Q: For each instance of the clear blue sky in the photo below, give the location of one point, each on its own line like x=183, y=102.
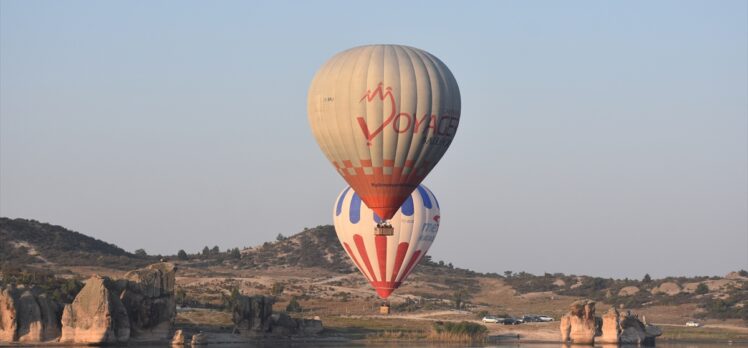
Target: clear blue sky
x=597, y=137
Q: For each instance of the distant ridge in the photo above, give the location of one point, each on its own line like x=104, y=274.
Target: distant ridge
x=24, y=242
x=313, y=247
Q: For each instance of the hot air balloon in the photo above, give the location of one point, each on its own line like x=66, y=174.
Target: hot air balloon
x=384, y=115
x=386, y=261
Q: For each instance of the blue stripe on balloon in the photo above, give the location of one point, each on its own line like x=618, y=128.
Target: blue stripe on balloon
x=377, y=219
x=407, y=207
x=424, y=196
x=355, y=212
x=435, y=200
x=339, y=209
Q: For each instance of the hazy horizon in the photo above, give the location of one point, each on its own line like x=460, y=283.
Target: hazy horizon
x=598, y=138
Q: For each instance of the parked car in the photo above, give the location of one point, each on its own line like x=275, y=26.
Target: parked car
x=531, y=318
x=512, y=321
x=545, y=318
x=491, y=319
x=693, y=323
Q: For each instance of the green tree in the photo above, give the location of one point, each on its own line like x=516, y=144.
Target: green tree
x=280, y=237
x=206, y=251
x=293, y=305
x=236, y=254
x=647, y=279
x=702, y=289
x=141, y=253
x=182, y=255
x=215, y=250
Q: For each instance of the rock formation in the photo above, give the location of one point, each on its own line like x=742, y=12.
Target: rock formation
x=178, y=339
x=199, y=339
x=635, y=331
x=611, y=330
x=253, y=317
x=667, y=288
x=150, y=301
x=8, y=323
x=141, y=307
x=628, y=291
x=29, y=318
x=579, y=324
x=26, y=315
x=96, y=315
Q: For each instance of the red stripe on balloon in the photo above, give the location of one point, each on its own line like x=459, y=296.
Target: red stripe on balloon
x=355, y=260
x=411, y=264
x=364, y=256
x=402, y=248
x=381, y=244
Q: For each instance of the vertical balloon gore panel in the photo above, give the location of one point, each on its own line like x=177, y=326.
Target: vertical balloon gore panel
x=386, y=261
x=384, y=115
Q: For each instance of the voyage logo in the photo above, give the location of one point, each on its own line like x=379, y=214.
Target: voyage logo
x=444, y=125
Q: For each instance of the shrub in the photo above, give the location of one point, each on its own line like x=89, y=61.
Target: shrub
x=293, y=305
x=702, y=289
x=182, y=255
x=463, y=331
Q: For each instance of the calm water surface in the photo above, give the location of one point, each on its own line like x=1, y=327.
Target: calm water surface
x=434, y=345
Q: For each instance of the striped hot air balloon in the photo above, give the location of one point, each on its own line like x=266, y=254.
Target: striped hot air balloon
x=387, y=261
x=384, y=115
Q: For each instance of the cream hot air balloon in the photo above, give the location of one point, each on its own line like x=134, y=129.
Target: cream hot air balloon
x=384, y=115
x=387, y=261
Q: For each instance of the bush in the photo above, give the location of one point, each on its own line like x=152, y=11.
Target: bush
x=702, y=289
x=293, y=305
x=463, y=331
x=182, y=255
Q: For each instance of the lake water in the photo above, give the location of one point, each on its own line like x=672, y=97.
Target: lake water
x=441, y=345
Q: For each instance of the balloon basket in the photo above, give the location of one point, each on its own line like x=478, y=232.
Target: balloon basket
x=384, y=309
x=384, y=229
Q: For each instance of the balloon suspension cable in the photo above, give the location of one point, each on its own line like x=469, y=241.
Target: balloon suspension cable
x=384, y=229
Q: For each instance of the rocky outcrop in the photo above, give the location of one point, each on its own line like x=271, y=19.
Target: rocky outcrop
x=150, y=301
x=96, y=316
x=199, y=339
x=628, y=291
x=667, y=288
x=251, y=315
x=635, y=331
x=309, y=327
x=579, y=325
x=51, y=312
x=29, y=318
x=139, y=308
x=611, y=330
x=8, y=322
x=27, y=315
x=178, y=339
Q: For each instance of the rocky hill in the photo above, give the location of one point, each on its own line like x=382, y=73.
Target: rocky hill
x=313, y=247
x=30, y=242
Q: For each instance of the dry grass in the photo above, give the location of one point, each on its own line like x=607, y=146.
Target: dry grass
x=682, y=333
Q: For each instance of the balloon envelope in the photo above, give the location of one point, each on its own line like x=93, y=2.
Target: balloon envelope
x=386, y=260
x=384, y=115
